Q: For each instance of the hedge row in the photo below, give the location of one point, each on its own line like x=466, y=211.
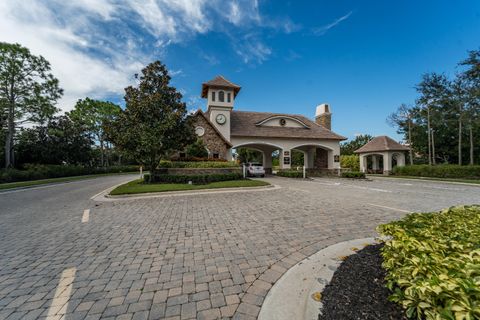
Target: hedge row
x=439, y=171
x=38, y=172
x=195, y=179
x=433, y=263
x=197, y=164
x=290, y=174
x=353, y=175
x=350, y=161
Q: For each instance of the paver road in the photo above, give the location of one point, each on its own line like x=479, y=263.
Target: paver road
x=203, y=256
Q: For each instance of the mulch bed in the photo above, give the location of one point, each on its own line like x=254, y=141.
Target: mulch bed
x=357, y=290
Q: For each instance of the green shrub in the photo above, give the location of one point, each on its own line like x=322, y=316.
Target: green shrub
x=353, y=175
x=196, y=179
x=350, y=161
x=433, y=263
x=37, y=172
x=290, y=173
x=439, y=171
x=197, y=164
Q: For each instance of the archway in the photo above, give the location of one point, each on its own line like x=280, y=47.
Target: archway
x=266, y=149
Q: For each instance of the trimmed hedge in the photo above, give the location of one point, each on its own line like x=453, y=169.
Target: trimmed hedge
x=197, y=164
x=38, y=172
x=439, y=171
x=195, y=179
x=353, y=174
x=290, y=174
x=433, y=263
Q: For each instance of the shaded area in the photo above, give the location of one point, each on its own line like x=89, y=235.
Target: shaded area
x=357, y=290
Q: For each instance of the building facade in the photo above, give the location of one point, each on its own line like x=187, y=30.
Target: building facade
x=224, y=129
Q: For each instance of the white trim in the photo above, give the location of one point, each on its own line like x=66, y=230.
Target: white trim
x=312, y=145
x=245, y=144
x=282, y=117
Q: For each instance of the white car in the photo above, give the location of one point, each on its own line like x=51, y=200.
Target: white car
x=255, y=169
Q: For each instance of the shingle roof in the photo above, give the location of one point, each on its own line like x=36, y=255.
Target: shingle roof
x=220, y=82
x=246, y=124
x=381, y=143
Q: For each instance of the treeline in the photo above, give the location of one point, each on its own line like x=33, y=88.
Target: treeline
x=32, y=132
x=443, y=124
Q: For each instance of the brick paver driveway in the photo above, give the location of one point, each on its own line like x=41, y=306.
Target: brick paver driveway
x=202, y=256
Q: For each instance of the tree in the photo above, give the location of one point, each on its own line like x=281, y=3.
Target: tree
x=197, y=149
x=93, y=114
x=402, y=118
x=154, y=123
x=245, y=155
x=347, y=148
x=60, y=141
x=28, y=92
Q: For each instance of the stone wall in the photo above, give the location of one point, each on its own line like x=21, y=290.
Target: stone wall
x=211, y=138
x=321, y=159
x=325, y=120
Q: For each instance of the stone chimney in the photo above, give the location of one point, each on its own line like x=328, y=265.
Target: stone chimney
x=323, y=116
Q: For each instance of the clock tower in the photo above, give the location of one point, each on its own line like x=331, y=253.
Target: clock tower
x=220, y=94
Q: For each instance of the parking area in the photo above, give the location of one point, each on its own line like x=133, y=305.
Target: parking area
x=203, y=256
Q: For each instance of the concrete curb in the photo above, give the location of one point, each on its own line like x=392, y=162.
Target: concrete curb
x=104, y=195
x=291, y=296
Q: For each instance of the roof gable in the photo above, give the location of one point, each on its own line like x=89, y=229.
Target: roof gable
x=199, y=113
x=381, y=143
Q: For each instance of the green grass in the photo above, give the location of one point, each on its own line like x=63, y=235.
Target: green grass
x=472, y=181
x=137, y=186
x=33, y=183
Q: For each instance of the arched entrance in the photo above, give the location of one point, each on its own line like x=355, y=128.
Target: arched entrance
x=266, y=150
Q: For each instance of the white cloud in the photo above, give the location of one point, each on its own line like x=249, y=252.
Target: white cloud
x=95, y=46
x=322, y=30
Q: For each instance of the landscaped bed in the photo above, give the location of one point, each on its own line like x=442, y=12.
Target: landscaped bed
x=138, y=186
x=430, y=265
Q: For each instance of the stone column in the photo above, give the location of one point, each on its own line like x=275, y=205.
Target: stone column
x=387, y=162
x=374, y=163
x=285, y=153
x=267, y=161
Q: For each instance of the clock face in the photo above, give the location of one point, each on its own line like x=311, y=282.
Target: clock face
x=200, y=131
x=221, y=119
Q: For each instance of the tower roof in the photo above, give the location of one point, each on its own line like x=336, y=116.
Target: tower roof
x=381, y=143
x=219, y=82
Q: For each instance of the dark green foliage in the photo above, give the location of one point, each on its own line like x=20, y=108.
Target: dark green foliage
x=297, y=158
x=439, y=171
x=353, y=175
x=245, y=155
x=154, y=124
x=195, y=179
x=38, y=171
x=196, y=150
x=347, y=148
x=290, y=174
x=28, y=92
x=197, y=164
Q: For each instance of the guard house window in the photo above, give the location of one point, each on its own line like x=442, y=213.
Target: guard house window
x=213, y=95
x=221, y=96
x=229, y=97
x=215, y=155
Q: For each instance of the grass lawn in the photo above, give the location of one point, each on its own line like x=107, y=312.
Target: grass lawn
x=138, y=186
x=472, y=181
x=33, y=183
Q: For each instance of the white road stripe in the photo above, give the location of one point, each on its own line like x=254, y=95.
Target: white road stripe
x=58, y=307
x=385, y=207
x=86, y=215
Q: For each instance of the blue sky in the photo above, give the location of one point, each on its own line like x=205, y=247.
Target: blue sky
x=362, y=57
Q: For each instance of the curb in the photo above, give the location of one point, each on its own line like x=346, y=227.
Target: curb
x=427, y=180
x=291, y=296
x=104, y=195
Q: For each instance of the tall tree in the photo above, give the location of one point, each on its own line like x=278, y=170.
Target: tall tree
x=154, y=123
x=401, y=118
x=471, y=75
x=433, y=91
x=28, y=91
x=93, y=114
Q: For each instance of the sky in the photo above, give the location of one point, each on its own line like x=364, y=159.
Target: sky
x=362, y=57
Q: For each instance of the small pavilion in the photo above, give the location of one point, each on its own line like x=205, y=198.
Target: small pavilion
x=384, y=152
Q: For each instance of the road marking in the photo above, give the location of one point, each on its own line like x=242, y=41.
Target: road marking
x=58, y=307
x=385, y=207
x=86, y=215
x=367, y=188
x=298, y=189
